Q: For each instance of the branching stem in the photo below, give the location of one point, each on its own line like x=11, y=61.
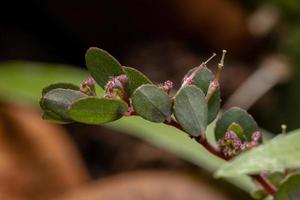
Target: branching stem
x=215, y=151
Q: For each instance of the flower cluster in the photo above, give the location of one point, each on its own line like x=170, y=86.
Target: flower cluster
x=115, y=87
x=88, y=87
x=167, y=86
x=231, y=145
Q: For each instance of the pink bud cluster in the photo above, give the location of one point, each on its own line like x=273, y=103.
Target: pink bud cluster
x=89, y=81
x=88, y=87
x=188, y=81
x=114, y=88
x=231, y=145
x=167, y=86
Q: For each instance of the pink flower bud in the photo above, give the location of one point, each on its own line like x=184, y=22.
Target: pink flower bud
x=122, y=78
x=168, y=84
x=88, y=87
x=243, y=146
x=188, y=81
x=256, y=136
x=230, y=135
x=214, y=85
x=237, y=143
x=89, y=81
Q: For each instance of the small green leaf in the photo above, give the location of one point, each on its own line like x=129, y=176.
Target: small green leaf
x=59, y=85
x=202, y=80
x=93, y=110
x=59, y=100
x=237, y=129
x=135, y=79
x=276, y=155
x=55, y=118
x=259, y=194
x=276, y=178
x=290, y=189
x=152, y=103
x=238, y=116
x=102, y=65
x=190, y=110
x=214, y=106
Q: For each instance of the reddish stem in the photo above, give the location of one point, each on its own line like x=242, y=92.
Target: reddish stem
x=173, y=123
x=265, y=184
x=202, y=140
x=215, y=151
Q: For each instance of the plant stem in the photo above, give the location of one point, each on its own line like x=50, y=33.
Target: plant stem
x=203, y=141
x=265, y=184
x=173, y=123
x=215, y=151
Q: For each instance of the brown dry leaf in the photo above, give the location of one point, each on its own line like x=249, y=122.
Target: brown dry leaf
x=148, y=185
x=37, y=159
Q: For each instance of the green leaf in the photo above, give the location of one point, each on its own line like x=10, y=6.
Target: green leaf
x=59, y=101
x=26, y=80
x=55, y=118
x=93, y=110
x=59, y=85
x=290, y=189
x=135, y=79
x=238, y=116
x=102, y=65
x=237, y=129
x=214, y=104
x=202, y=80
x=276, y=178
x=190, y=110
x=260, y=194
x=152, y=103
x=276, y=155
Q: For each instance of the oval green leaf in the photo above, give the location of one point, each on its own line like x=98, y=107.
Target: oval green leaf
x=59, y=100
x=59, y=85
x=213, y=104
x=93, y=110
x=135, y=79
x=238, y=116
x=237, y=129
x=102, y=65
x=290, y=189
x=276, y=155
x=55, y=118
x=202, y=80
x=152, y=103
x=190, y=110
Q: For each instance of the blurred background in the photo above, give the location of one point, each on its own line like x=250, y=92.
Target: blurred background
x=163, y=39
